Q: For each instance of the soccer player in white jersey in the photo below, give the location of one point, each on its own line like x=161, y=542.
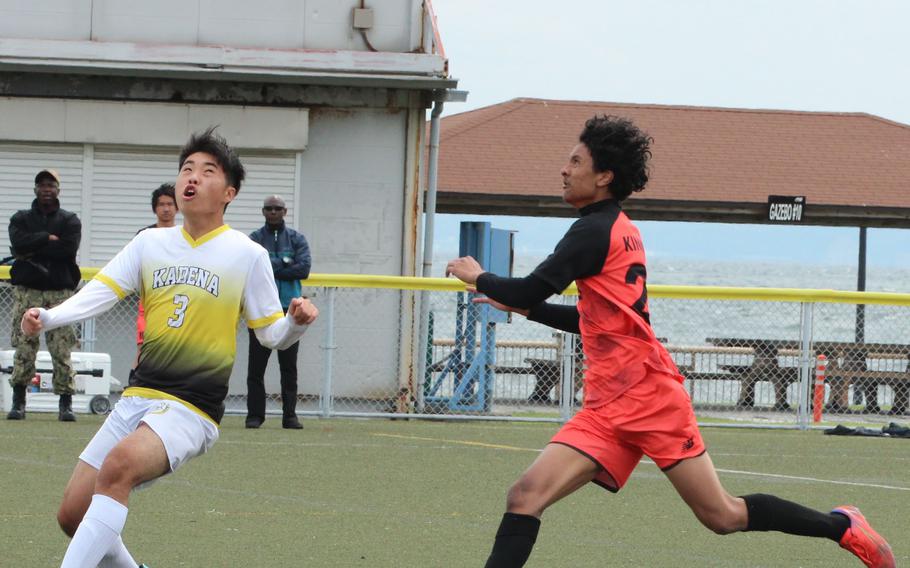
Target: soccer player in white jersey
x=195, y=281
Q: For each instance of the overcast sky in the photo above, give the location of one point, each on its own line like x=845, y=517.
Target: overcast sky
x=809, y=55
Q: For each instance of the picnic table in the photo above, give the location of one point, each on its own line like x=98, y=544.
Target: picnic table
x=847, y=363
x=765, y=366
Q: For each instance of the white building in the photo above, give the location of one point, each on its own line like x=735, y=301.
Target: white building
x=325, y=101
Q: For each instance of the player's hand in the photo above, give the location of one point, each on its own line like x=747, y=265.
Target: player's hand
x=303, y=311
x=465, y=269
x=31, y=324
x=500, y=306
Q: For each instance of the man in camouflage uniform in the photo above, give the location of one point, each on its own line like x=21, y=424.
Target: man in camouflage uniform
x=44, y=241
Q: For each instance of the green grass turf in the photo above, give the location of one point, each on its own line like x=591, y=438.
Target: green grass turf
x=379, y=493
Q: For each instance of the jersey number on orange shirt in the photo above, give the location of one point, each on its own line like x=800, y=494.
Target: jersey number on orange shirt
x=636, y=272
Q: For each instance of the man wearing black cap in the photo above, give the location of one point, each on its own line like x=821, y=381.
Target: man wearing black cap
x=44, y=241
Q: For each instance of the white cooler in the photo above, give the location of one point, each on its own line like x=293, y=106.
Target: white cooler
x=94, y=383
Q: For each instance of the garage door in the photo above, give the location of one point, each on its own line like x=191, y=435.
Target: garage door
x=124, y=178
x=18, y=165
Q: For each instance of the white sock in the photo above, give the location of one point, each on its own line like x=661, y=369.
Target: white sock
x=97, y=533
x=118, y=557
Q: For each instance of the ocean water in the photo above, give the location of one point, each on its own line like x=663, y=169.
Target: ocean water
x=690, y=322
x=700, y=272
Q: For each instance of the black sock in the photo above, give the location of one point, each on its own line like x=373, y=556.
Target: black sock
x=514, y=541
x=770, y=513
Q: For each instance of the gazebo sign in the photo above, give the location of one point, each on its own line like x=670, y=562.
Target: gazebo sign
x=786, y=208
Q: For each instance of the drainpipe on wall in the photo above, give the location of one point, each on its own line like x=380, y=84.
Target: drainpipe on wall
x=439, y=99
x=432, y=177
x=428, y=228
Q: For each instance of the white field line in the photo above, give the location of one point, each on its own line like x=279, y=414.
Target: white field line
x=647, y=461
x=21, y=461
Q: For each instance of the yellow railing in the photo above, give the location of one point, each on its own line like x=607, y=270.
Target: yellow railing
x=654, y=290
x=87, y=273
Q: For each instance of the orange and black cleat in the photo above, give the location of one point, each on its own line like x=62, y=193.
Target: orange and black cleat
x=863, y=541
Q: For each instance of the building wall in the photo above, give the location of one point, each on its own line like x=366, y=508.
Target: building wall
x=345, y=191
x=278, y=24
x=351, y=207
x=107, y=90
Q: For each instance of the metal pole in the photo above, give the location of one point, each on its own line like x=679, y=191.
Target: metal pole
x=88, y=335
x=860, y=336
x=860, y=324
x=428, y=228
x=432, y=180
x=567, y=385
x=806, y=364
x=325, y=400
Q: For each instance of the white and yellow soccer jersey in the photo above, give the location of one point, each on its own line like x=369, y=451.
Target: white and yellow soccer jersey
x=194, y=293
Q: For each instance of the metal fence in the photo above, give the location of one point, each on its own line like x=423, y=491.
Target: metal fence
x=749, y=355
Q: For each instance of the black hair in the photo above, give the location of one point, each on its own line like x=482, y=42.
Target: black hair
x=216, y=146
x=163, y=189
x=617, y=145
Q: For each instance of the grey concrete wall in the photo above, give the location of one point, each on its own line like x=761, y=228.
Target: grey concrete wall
x=351, y=208
x=281, y=24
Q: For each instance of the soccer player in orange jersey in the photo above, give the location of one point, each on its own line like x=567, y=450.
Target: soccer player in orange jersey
x=634, y=400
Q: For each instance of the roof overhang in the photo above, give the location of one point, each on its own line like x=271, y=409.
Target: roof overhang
x=642, y=209
x=421, y=71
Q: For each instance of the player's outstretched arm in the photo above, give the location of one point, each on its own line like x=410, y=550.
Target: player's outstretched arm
x=288, y=330
x=94, y=298
x=557, y=316
x=500, y=306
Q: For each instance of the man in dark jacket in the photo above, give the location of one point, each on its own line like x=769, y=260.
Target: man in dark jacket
x=290, y=256
x=44, y=241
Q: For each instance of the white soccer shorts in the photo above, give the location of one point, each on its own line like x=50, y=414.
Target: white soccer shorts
x=185, y=433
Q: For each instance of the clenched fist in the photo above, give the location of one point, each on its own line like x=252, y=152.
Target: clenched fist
x=303, y=311
x=31, y=325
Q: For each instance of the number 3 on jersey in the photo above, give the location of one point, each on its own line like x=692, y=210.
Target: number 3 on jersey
x=182, y=303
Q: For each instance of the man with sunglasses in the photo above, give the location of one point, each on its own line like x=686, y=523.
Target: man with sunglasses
x=290, y=255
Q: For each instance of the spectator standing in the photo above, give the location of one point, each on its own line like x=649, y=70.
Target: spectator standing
x=44, y=240
x=290, y=255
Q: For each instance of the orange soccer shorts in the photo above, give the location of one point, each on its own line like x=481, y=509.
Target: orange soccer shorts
x=652, y=418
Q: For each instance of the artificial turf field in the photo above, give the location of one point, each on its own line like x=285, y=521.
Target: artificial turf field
x=378, y=493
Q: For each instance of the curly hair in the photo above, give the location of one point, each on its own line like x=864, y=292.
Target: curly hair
x=617, y=145
x=216, y=146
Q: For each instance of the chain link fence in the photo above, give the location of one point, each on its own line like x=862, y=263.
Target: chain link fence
x=746, y=359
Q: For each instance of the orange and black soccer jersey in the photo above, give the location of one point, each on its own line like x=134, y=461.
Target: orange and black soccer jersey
x=634, y=402
x=603, y=253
